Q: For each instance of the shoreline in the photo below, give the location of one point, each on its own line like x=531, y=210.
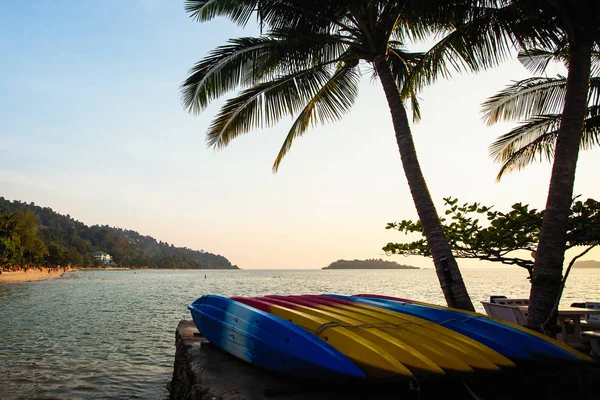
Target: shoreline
x=32, y=275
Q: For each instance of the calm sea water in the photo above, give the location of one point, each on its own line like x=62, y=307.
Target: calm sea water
x=110, y=334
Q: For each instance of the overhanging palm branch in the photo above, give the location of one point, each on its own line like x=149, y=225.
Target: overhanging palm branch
x=238, y=11
x=264, y=104
x=536, y=60
x=330, y=103
x=535, y=140
x=486, y=39
x=526, y=98
x=537, y=101
x=249, y=60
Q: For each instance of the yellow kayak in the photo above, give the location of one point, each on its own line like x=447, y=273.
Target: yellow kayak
x=445, y=359
x=419, y=364
x=461, y=343
x=369, y=357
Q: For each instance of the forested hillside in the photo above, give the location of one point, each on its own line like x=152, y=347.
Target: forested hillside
x=35, y=235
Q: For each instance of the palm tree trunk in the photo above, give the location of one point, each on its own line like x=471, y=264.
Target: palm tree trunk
x=446, y=267
x=548, y=266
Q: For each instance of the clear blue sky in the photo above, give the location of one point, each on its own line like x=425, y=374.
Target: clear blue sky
x=91, y=125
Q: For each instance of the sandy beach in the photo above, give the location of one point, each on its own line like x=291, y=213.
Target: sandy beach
x=31, y=275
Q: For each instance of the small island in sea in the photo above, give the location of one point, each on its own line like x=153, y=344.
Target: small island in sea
x=587, y=264
x=367, y=264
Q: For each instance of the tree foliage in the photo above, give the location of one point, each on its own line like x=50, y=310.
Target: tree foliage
x=478, y=231
x=536, y=104
x=33, y=235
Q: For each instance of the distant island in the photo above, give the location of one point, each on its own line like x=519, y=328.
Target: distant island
x=367, y=264
x=587, y=264
x=38, y=236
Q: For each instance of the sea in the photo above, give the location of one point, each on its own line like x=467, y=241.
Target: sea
x=111, y=334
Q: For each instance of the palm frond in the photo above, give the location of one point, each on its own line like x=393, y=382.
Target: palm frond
x=238, y=11
x=307, y=16
x=486, y=38
x=594, y=92
x=528, y=143
x=525, y=99
x=595, y=69
x=265, y=103
x=591, y=129
x=222, y=70
x=438, y=62
x=246, y=61
x=475, y=46
x=330, y=103
x=401, y=64
x=537, y=60
x=535, y=140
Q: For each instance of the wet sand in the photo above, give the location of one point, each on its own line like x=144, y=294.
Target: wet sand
x=31, y=275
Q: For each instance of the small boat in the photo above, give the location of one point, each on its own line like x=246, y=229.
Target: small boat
x=268, y=341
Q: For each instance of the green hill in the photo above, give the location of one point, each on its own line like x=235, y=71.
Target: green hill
x=367, y=264
x=35, y=235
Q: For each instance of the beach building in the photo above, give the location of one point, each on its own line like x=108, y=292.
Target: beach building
x=102, y=256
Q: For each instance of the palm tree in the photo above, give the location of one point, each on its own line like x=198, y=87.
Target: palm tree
x=307, y=64
x=579, y=23
x=538, y=102
x=575, y=26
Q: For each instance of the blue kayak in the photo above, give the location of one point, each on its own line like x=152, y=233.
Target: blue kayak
x=505, y=339
x=268, y=341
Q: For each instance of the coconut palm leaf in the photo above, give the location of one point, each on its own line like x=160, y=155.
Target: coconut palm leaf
x=595, y=69
x=530, y=142
x=247, y=60
x=526, y=98
x=223, y=70
x=537, y=101
x=401, y=64
x=530, y=97
x=238, y=11
x=537, y=60
x=535, y=141
x=329, y=104
x=264, y=104
x=488, y=39
x=313, y=15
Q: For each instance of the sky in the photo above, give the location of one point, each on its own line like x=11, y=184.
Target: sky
x=92, y=125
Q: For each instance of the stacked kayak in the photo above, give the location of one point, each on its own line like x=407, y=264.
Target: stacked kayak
x=269, y=342
x=510, y=339
x=367, y=337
